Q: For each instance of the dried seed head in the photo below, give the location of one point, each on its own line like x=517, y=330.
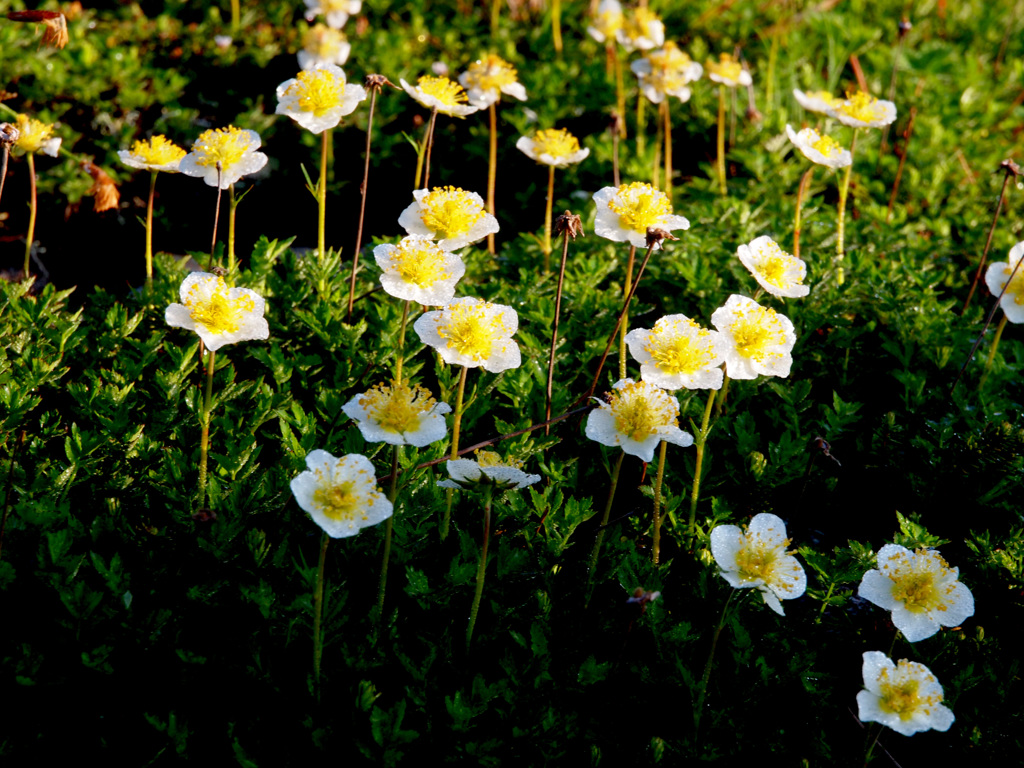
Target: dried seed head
x=103, y=188
x=9, y=134
x=1010, y=167
x=569, y=222
x=905, y=27
x=656, y=236
x=378, y=82
x=56, y=32
x=615, y=123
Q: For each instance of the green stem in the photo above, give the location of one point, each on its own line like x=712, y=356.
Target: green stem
x=641, y=123
x=554, y=327
x=656, y=549
x=430, y=146
x=318, y=611
x=698, y=710
x=392, y=495
x=492, y=169
x=773, y=57
x=620, y=94
x=321, y=201
x=236, y=16
x=604, y=519
x=495, y=16
x=556, y=25
x=624, y=325
x=844, y=191
x=721, y=139
x=867, y=756
x=666, y=110
x=699, y=440
x=362, y=203
x=805, y=181
x=720, y=405
x=481, y=570
x=30, y=236
x=204, y=440
x=456, y=427
x=401, y=342
x=232, y=205
x=992, y=352
x=149, y=229
x=547, y=218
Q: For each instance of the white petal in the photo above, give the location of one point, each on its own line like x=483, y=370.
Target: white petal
x=726, y=543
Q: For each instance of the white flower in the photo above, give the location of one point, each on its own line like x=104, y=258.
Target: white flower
x=317, y=99
x=488, y=78
x=820, y=148
x=757, y=558
x=920, y=589
x=624, y=213
x=398, y=414
x=233, y=148
x=442, y=94
x=727, y=71
x=335, y=11
x=863, y=111
x=341, y=495
x=640, y=31
x=451, y=215
x=779, y=273
x=154, y=154
x=756, y=340
x=678, y=353
x=607, y=22
x=906, y=697
x=636, y=417
x=36, y=136
x=997, y=275
x=220, y=315
x=473, y=333
x=552, y=147
x=815, y=101
x=488, y=469
x=323, y=45
x=666, y=73
x=418, y=269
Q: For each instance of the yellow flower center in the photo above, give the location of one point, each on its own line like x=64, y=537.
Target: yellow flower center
x=638, y=24
x=490, y=73
x=493, y=459
x=470, y=329
x=726, y=67
x=557, y=143
x=340, y=501
x=330, y=6
x=862, y=107
x=1016, y=286
x=420, y=262
x=450, y=211
x=641, y=411
x=33, y=133
x=824, y=96
x=446, y=91
x=609, y=22
x=757, y=560
x=826, y=145
x=677, y=352
x=639, y=206
x=219, y=313
x=755, y=331
x=323, y=42
x=317, y=91
x=668, y=68
x=397, y=408
x=772, y=264
x=221, y=145
x=916, y=580
x=902, y=695
x=157, y=151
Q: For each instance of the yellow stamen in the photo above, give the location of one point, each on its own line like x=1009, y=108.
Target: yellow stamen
x=450, y=211
x=420, y=262
x=861, y=106
x=759, y=560
x=726, y=67
x=902, y=696
x=490, y=73
x=557, y=143
x=756, y=331
x=638, y=24
x=639, y=206
x=221, y=145
x=641, y=411
x=446, y=91
x=773, y=263
x=471, y=329
x=668, y=68
x=318, y=91
x=33, y=133
x=218, y=313
x=1016, y=286
x=323, y=42
x=344, y=501
x=916, y=580
x=826, y=145
x=678, y=351
x=493, y=459
x=157, y=151
x=397, y=408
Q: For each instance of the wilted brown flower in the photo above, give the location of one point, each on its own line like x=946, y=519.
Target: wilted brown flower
x=103, y=188
x=56, y=26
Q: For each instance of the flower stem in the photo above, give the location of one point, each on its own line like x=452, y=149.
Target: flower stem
x=318, y=611
x=1007, y=167
x=627, y=290
x=149, y=229
x=5, y=153
x=721, y=139
x=656, y=549
x=903, y=161
x=374, y=89
x=30, y=236
x=401, y=342
x=547, y=219
x=232, y=205
x=204, y=439
x=615, y=153
x=481, y=570
x=492, y=169
x=321, y=203
x=620, y=94
x=874, y=741
x=667, y=115
x=456, y=427
x=236, y=16
x=430, y=146
x=641, y=123
x=844, y=190
x=801, y=190
x=698, y=710
x=992, y=352
x=699, y=440
x=556, y=25
x=216, y=222
x=604, y=520
x=554, y=326
x=495, y=16
x=392, y=494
